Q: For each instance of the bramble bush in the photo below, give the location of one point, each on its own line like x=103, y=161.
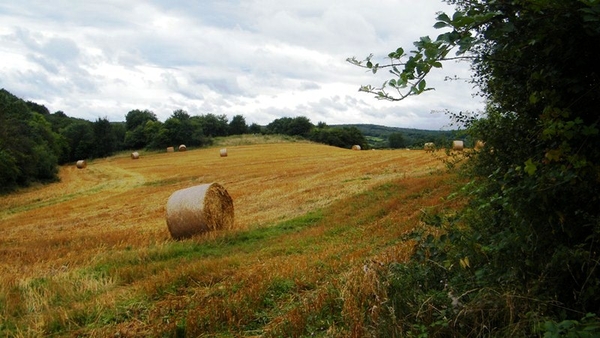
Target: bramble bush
x=524, y=256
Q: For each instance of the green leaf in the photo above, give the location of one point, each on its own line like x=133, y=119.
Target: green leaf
x=422, y=85
x=554, y=155
x=444, y=17
x=589, y=130
x=530, y=167
x=533, y=98
x=440, y=24
x=457, y=16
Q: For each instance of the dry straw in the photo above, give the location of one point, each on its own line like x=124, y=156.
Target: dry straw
x=479, y=145
x=135, y=155
x=429, y=146
x=199, y=209
x=182, y=147
x=458, y=145
x=356, y=147
x=170, y=149
x=81, y=164
x=223, y=152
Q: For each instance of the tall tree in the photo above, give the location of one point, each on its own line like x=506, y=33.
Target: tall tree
x=238, y=125
x=214, y=125
x=80, y=136
x=136, y=118
x=396, y=140
x=104, y=139
x=297, y=126
x=255, y=128
x=135, y=124
x=534, y=222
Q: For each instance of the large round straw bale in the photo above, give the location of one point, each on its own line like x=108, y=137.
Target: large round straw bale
x=135, y=155
x=81, y=164
x=223, y=152
x=199, y=209
x=458, y=145
x=182, y=147
x=429, y=146
x=356, y=147
x=170, y=149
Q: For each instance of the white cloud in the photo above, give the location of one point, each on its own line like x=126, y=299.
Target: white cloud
x=263, y=59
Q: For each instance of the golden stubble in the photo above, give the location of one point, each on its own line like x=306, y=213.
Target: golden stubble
x=118, y=205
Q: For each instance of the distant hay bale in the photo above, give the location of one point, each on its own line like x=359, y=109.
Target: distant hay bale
x=182, y=147
x=223, y=152
x=170, y=149
x=199, y=209
x=135, y=155
x=429, y=146
x=458, y=145
x=356, y=147
x=479, y=145
x=81, y=164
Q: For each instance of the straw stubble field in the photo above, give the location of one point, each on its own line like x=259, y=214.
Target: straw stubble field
x=92, y=255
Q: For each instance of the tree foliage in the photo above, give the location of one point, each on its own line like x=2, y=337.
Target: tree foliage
x=396, y=141
x=343, y=137
x=104, y=140
x=29, y=149
x=297, y=126
x=238, y=125
x=135, y=125
x=533, y=225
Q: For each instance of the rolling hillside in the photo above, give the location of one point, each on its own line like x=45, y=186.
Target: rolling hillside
x=378, y=136
x=91, y=255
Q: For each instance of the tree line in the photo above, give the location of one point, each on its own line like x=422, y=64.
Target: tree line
x=33, y=141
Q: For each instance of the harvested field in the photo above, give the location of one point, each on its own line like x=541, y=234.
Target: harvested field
x=98, y=239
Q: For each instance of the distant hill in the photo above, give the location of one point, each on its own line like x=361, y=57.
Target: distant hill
x=378, y=136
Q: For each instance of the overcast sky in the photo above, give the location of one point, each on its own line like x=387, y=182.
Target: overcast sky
x=263, y=59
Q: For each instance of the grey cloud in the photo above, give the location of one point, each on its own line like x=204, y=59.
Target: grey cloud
x=61, y=49
x=309, y=85
x=260, y=58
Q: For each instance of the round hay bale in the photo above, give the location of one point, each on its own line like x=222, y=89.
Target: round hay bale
x=223, y=152
x=170, y=149
x=479, y=145
x=182, y=147
x=429, y=146
x=135, y=155
x=81, y=164
x=199, y=209
x=458, y=145
x=356, y=147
